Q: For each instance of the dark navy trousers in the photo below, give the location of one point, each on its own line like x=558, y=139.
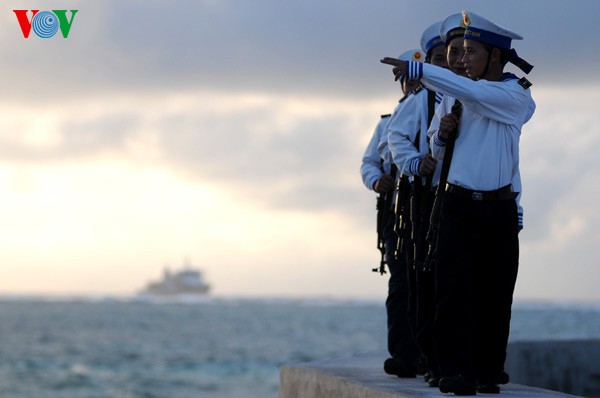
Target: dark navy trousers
x=424, y=289
x=401, y=342
x=476, y=271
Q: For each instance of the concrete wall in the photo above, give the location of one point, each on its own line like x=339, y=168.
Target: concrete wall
x=572, y=367
x=363, y=377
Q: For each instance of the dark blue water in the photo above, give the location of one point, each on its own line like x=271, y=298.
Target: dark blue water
x=217, y=348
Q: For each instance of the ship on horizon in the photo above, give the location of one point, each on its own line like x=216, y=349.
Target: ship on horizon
x=186, y=281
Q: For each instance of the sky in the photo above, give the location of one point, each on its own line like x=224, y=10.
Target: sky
x=229, y=134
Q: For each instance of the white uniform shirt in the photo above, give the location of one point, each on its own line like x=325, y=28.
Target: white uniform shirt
x=402, y=134
x=372, y=167
x=486, y=155
x=445, y=107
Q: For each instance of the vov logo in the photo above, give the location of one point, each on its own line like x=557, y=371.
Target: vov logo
x=45, y=24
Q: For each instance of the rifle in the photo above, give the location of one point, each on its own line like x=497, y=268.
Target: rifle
x=419, y=201
x=418, y=215
x=432, y=233
x=384, y=208
x=402, y=216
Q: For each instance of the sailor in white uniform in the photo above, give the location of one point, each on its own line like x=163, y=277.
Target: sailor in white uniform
x=452, y=30
x=380, y=175
x=407, y=138
x=477, y=247
x=372, y=170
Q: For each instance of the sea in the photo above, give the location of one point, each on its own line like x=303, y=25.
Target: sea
x=213, y=347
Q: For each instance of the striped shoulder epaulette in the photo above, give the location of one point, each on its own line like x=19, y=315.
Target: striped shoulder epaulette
x=525, y=83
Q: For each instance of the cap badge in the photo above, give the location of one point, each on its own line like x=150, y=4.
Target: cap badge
x=466, y=20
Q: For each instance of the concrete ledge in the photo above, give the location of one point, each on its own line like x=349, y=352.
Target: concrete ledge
x=363, y=377
x=571, y=366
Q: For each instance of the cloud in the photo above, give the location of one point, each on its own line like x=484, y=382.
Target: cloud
x=557, y=156
x=286, y=152
x=271, y=105
x=307, y=48
x=275, y=152
x=561, y=263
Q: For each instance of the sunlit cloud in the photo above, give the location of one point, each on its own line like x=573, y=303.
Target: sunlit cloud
x=159, y=178
x=232, y=134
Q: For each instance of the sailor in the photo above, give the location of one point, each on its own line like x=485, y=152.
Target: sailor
x=477, y=247
x=452, y=32
x=379, y=174
x=407, y=138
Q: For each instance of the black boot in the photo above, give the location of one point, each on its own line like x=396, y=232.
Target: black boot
x=502, y=378
x=398, y=368
x=458, y=384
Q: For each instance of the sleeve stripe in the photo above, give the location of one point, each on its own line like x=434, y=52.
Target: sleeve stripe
x=415, y=164
x=438, y=97
x=438, y=141
x=414, y=70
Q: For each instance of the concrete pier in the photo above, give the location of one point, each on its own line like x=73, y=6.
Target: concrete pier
x=363, y=377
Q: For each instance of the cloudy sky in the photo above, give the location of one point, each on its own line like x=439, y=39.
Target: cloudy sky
x=230, y=134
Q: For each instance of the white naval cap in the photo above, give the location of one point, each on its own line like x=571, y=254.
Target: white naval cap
x=452, y=26
x=412, y=55
x=479, y=29
x=431, y=37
